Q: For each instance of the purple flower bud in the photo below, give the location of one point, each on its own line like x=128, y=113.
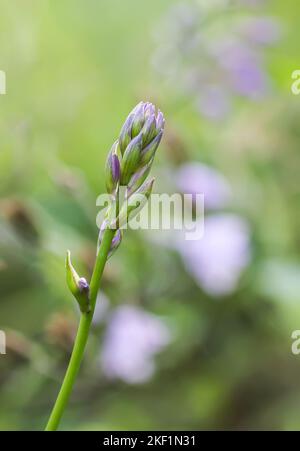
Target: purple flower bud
x=149, y=130
x=160, y=121
x=148, y=152
x=77, y=285
x=138, y=120
x=138, y=179
x=116, y=241
x=149, y=109
x=137, y=107
x=131, y=159
x=112, y=171
x=146, y=188
x=115, y=168
x=82, y=284
x=138, y=141
x=125, y=134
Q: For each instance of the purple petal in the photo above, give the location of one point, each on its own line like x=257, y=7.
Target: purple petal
x=132, y=339
x=115, y=168
x=196, y=178
x=217, y=260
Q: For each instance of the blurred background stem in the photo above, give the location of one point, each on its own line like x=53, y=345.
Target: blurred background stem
x=82, y=335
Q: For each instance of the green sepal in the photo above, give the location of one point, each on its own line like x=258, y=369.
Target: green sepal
x=77, y=285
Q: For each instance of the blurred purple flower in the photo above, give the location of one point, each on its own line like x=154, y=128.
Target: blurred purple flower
x=261, y=30
x=196, y=178
x=132, y=339
x=217, y=260
x=213, y=102
x=244, y=70
x=212, y=67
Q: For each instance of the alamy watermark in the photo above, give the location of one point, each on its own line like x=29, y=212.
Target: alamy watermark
x=295, y=348
x=295, y=88
x=2, y=342
x=158, y=212
x=2, y=82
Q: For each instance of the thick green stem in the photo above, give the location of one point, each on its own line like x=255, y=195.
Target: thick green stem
x=82, y=335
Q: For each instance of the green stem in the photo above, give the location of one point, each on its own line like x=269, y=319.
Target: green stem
x=82, y=335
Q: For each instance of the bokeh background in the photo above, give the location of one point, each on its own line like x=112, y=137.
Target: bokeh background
x=186, y=336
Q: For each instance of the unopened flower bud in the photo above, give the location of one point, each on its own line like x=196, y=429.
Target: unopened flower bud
x=149, y=109
x=160, y=121
x=83, y=285
x=138, y=179
x=77, y=285
x=148, y=152
x=142, y=119
x=149, y=130
x=125, y=134
x=130, y=160
x=146, y=188
x=139, y=119
x=116, y=241
x=133, y=154
x=112, y=170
